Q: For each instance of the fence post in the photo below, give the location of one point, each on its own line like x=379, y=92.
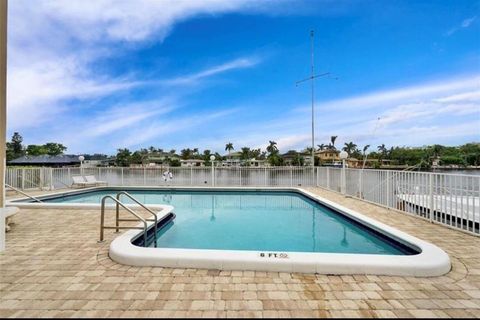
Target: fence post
x=291, y=177
x=388, y=188
x=265, y=181
x=51, y=178
x=328, y=178
x=23, y=178
x=144, y=176
x=432, y=209
x=213, y=175
x=191, y=175
x=41, y=174
x=360, y=185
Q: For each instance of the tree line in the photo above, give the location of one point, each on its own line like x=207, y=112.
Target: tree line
x=464, y=155
x=15, y=148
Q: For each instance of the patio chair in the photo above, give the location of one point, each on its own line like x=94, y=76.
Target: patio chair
x=91, y=179
x=9, y=212
x=79, y=181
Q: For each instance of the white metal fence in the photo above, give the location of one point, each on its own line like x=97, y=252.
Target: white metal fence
x=448, y=199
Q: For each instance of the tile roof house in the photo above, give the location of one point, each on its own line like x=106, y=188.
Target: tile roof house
x=63, y=160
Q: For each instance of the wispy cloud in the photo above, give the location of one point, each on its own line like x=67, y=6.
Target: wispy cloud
x=414, y=115
x=466, y=23
x=417, y=92
x=37, y=91
x=124, y=117
x=157, y=129
x=54, y=46
x=240, y=63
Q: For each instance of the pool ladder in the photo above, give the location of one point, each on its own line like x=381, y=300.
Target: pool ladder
x=137, y=218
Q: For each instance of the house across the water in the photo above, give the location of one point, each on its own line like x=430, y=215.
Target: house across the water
x=64, y=160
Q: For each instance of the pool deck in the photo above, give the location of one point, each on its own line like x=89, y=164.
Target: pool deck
x=54, y=267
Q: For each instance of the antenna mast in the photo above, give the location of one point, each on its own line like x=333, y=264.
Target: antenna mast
x=312, y=74
x=311, y=78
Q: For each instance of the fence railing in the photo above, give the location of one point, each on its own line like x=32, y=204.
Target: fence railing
x=448, y=199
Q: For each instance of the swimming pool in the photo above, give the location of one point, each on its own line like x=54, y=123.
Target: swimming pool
x=267, y=229
x=254, y=220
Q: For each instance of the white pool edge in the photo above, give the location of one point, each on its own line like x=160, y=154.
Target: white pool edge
x=432, y=261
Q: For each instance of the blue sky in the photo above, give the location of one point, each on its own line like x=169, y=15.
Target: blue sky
x=97, y=76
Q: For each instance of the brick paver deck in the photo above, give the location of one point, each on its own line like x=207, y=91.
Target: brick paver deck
x=54, y=267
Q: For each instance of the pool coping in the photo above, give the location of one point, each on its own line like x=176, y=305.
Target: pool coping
x=431, y=261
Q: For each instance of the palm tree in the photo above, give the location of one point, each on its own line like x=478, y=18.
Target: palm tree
x=229, y=147
x=349, y=147
x=186, y=153
x=255, y=153
x=321, y=146
x=272, y=148
x=206, y=155
x=383, y=150
x=332, y=139
x=245, y=153
x=366, y=148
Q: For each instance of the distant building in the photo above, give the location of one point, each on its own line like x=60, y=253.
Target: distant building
x=98, y=161
x=64, y=160
x=436, y=162
x=353, y=163
x=328, y=155
x=256, y=163
x=192, y=163
x=231, y=163
x=94, y=163
x=232, y=160
x=156, y=159
x=290, y=158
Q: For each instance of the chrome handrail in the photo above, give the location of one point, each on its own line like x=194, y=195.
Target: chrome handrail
x=24, y=193
x=102, y=219
x=128, y=195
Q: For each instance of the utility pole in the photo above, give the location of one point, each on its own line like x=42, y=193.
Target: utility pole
x=312, y=78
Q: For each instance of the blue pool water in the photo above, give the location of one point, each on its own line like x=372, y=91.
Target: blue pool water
x=259, y=221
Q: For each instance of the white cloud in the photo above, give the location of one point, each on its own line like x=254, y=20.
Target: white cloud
x=54, y=44
x=416, y=115
x=156, y=129
x=420, y=92
x=240, y=63
x=124, y=117
x=127, y=20
x=466, y=23
x=36, y=91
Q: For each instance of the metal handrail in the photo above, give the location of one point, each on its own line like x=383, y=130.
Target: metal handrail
x=24, y=193
x=154, y=214
x=102, y=219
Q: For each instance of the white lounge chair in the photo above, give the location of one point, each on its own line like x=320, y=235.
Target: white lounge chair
x=9, y=212
x=79, y=181
x=91, y=179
